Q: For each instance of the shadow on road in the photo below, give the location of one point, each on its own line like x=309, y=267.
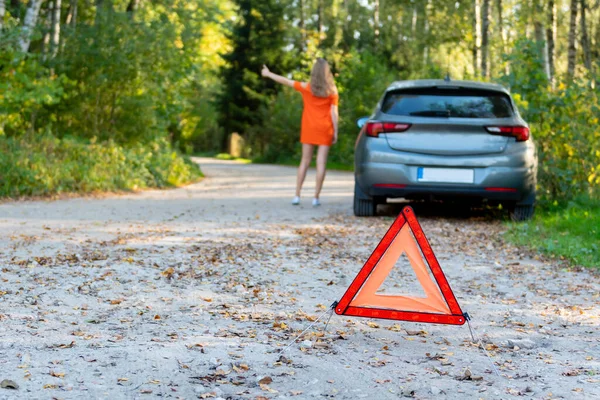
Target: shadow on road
x=446, y=210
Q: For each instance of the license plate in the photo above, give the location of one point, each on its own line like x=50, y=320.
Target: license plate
x=446, y=175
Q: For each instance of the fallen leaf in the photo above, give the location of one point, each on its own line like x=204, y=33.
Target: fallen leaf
x=416, y=333
x=8, y=384
x=267, y=388
x=265, y=381
x=168, y=273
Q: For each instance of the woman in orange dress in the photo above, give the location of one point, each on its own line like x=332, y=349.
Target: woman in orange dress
x=319, y=121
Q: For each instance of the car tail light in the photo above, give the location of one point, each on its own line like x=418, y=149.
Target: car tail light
x=375, y=128
x=521, y=133
x=501, y=189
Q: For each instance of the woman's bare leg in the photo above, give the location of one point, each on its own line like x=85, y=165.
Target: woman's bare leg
x=307, y=154
x=322, y=153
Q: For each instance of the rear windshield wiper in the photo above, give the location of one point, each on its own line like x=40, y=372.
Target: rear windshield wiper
x=432, y=113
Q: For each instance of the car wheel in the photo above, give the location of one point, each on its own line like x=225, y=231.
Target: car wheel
x=521, y=212
x=364, y=206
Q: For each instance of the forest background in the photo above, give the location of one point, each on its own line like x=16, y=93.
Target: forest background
x=113, y=94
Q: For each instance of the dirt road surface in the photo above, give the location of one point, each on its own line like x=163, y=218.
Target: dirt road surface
x=193, y=293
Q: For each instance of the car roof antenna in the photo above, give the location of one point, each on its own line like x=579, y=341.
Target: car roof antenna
x=447, y=78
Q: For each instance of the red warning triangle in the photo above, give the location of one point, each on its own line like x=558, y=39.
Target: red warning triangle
x=439, y=304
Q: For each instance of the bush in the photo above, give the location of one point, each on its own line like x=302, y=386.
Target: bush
x=564, y=124
x=49, y=165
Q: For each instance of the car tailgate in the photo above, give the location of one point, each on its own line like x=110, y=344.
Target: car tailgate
x=447, y=139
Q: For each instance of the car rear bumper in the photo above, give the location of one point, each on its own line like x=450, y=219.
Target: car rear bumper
x=445, y=192
x=493, y=183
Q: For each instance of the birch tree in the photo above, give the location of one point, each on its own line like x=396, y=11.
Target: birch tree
x=72, y=14
x=572, y=50
x=55, y=28
x=538, y=28
x=585, y=41
x=551, y=37
x=502, y=29
x=476, y=51
x=31, y=17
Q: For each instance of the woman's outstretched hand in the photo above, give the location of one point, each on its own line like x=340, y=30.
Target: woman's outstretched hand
x=265, y=71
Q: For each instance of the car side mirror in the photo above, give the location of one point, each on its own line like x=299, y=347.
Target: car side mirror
x=362, y=121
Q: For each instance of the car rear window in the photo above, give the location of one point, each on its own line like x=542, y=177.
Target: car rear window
x=458, y=103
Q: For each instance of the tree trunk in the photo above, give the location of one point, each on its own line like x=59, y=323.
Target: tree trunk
x=426, y=9
x=476, y=37
x=2, y=12
x=55, y=28
x=336, y=29
x=502, y=31
x=538, y=28
x=72, y=14
x=46, y=26
x=572, y=50
x=585, y=41
x=550, y=38
x=485, y=27
x=132, y=7
x=33, y=11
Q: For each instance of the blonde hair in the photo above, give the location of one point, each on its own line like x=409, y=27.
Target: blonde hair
x=321, y=79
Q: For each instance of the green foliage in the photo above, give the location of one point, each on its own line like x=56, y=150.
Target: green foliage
x=361, y=81
x=26, y=88
x=570, y=233
x=564, y=124
x=49, y=165
x=257, y=38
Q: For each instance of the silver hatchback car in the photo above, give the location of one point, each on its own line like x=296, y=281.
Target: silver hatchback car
x=439, y=139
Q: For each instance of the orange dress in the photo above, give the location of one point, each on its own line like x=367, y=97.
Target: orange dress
x=317, y=126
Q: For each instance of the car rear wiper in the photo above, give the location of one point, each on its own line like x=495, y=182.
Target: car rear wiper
x=432, y=113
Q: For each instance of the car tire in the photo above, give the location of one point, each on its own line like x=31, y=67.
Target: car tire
x=521, y=212
x=364, y=206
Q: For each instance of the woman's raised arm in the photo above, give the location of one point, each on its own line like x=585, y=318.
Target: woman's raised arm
x=277, y=78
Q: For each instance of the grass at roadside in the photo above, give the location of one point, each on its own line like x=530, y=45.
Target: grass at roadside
x=571, y=233
x=46, y=165
x=292, y=162
x=225, y=156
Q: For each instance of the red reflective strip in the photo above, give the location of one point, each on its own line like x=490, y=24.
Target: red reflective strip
x=389, y=185
x=366, y=270
x=405, y=315
x=432, y=261
x=500, y=189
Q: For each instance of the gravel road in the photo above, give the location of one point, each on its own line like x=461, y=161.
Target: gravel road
x=192, y=293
